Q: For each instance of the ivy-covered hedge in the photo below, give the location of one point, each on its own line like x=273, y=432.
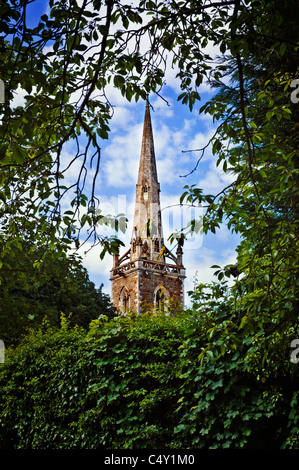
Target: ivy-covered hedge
x=139, y=382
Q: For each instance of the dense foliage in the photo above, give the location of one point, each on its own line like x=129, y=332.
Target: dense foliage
x=257, y=142
x=37, y=285
x=143, y=382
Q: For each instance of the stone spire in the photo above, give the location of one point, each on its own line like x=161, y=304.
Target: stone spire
x=147, y=274
x=147, y=228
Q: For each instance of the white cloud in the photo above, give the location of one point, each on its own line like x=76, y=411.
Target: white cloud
x=121, y=159
x=199, y=265
x=19, y=97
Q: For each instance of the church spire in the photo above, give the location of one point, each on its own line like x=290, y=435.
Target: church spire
x=147, y=227
x=143, y=276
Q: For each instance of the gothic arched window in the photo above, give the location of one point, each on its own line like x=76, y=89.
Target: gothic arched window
x=124, y=300
x=161, y=298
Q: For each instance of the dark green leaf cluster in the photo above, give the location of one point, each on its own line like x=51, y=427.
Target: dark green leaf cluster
x=256, y=145
x=148, y=381
x=38, y=283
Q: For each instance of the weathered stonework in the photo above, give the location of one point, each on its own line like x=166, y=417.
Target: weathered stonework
x=143, y=276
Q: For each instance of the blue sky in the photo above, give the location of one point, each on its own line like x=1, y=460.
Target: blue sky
x=175, y=130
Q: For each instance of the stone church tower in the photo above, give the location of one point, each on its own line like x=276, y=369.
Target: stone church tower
x=147, y=274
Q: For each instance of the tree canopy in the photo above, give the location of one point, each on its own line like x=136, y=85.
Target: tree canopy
x=70, y=57
x=38, y=288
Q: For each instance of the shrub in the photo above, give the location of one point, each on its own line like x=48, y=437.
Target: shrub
x=148, y=381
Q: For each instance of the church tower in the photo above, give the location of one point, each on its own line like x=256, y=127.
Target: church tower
x=147, y=274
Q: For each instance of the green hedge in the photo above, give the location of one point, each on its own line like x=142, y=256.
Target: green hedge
x=139, y=382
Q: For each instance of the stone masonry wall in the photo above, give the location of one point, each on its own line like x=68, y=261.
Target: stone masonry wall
x=142, y=284
x=131, y=283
